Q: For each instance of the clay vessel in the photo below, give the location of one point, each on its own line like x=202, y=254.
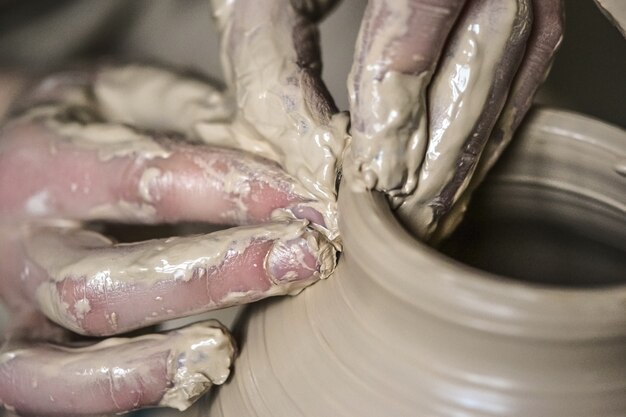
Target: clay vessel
x=403, y=330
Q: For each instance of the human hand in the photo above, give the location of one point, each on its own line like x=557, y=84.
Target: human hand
x=437, y=90
x=142, y=145
x=91, y=145
x=283, y=112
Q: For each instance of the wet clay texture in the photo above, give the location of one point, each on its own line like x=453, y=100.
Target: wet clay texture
x=402, y=330
x=284, y=111
x=174, y=368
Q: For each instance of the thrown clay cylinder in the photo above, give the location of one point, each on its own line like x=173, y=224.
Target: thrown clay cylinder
x=404, y=330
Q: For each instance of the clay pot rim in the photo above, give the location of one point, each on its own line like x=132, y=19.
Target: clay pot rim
x=465, y=295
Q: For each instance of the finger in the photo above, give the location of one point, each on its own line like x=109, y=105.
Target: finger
x=544, y=41
x=145, y=96
x=159, y=99
x=86, y=170
x=117, y=375
x=465, y=99
x=396, y=53
x=84, y=282
x=272, y=61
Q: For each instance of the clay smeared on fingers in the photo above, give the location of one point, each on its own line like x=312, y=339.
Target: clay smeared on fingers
x=94, y=153
x=543, y=43
x=271, y=57
x=158, y=99
x=143, y=96
x=397, y=50
x=81, y=168
x=86, y=283
x=117, y=375
x=465, y=98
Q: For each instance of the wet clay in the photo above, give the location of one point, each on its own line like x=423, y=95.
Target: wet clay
x=184, y=102
x=418, y=139
x=79, y=123
x=204, y=363
x=284, y=111
x=65, y=254
x=185, y=363
x=291, y=136
x=156, y=167
x=465, y=98
x=423, y=335
x=387, y=86
x=544, y=41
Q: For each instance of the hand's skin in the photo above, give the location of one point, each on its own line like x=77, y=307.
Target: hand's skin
x=422, y=202
x=464, y=101
x=120, y=374
x=57, y=172
x=544, y=40
x=44, y=176
x=273, y=63
x=412, y=49
x=49, y=172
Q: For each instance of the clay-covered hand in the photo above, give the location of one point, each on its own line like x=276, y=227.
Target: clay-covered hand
x=437, y=89
x=137, y=144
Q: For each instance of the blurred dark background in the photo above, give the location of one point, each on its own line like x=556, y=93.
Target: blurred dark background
x=589, y=75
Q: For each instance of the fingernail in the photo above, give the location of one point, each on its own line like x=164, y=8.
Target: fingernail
x=308, y=213
x=307, y=258
x=291, y=261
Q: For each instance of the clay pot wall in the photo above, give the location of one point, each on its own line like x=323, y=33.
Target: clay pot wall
x=402, y=330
